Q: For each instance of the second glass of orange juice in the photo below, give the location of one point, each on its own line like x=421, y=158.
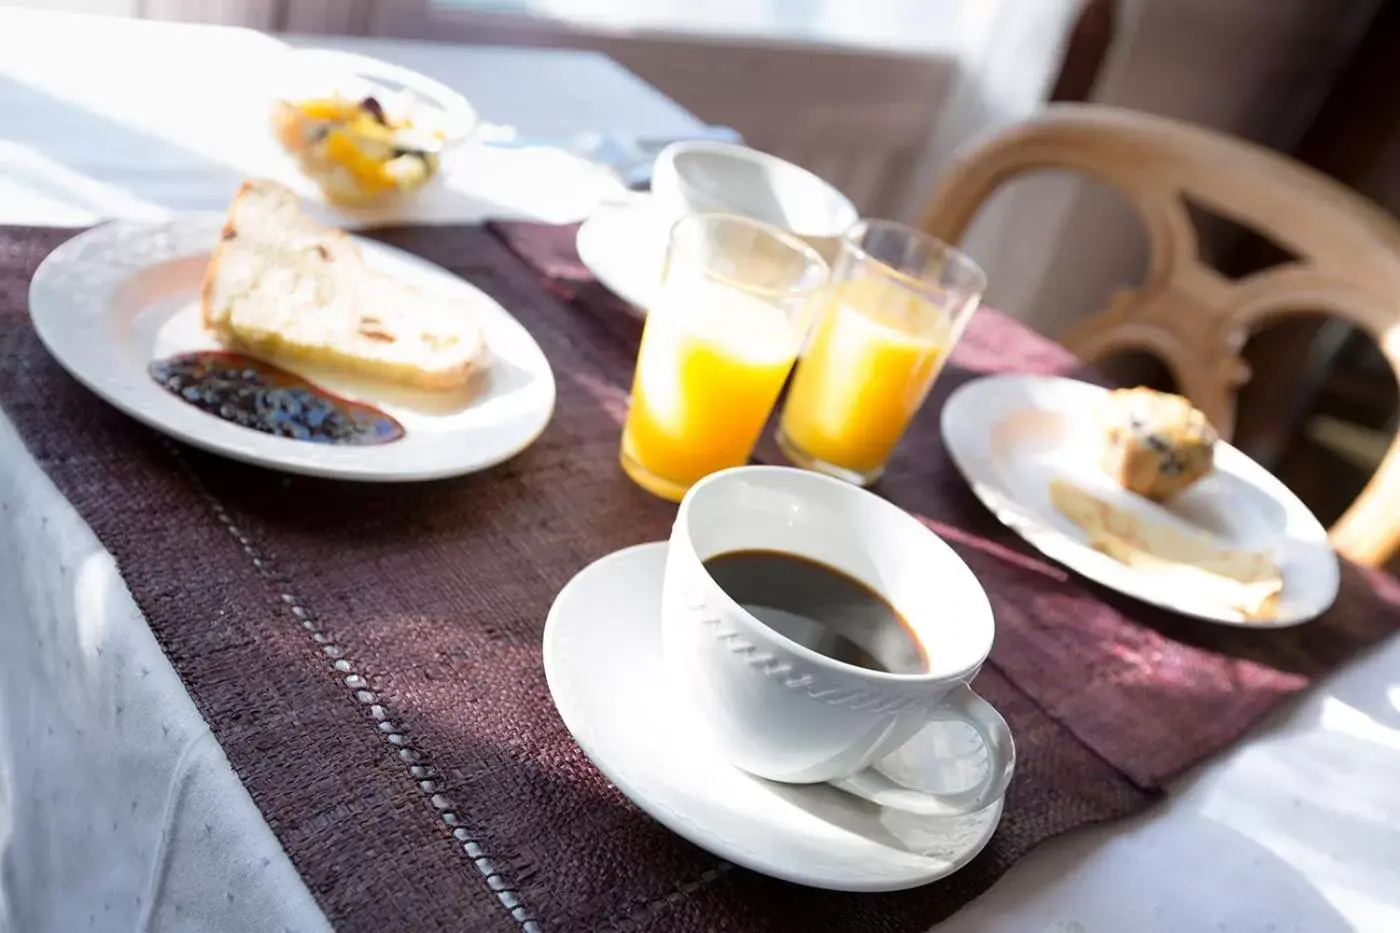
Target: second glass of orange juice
x=736, y=299
x=897, y=302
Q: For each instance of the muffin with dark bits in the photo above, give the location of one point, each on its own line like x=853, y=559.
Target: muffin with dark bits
x=1155, y=444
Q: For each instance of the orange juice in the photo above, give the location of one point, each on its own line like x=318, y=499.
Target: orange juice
x=706, y=382
x=872, y=358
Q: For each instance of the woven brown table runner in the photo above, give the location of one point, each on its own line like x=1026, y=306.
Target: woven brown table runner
x=369, y=656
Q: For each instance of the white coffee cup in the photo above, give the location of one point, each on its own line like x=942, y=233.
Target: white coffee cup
x=699, y=176
x=782, y=711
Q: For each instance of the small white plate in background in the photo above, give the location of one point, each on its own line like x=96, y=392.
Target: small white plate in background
x=623, y=243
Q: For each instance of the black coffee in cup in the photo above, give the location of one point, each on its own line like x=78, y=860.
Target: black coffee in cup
x=820, y=608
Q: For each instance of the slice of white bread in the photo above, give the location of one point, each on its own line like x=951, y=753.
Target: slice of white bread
x=282, y=286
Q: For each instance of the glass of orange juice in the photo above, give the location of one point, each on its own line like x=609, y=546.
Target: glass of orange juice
x=736, y=300
x=897, y=302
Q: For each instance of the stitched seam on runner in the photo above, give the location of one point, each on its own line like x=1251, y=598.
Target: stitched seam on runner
x=636, y=920
x=420, y=769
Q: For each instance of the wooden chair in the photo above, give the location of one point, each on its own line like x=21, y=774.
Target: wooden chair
x=1186, y=313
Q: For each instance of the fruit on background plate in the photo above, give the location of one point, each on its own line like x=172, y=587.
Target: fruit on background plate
x=358, y=150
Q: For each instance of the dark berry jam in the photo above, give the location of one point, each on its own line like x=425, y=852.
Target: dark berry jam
x=267, y=398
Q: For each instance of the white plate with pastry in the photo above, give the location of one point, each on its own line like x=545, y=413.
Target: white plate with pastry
x=269, y=338
x=1133, y=490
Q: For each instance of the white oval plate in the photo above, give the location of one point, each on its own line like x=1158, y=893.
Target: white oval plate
x=1010, y=435
x=110, y=301
x=624, y=246
x=602, y=659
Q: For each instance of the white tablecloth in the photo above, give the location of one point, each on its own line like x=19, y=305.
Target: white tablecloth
x=118, y=810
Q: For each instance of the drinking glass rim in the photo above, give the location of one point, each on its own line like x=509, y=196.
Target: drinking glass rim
x=850, y=239
x=792, y=241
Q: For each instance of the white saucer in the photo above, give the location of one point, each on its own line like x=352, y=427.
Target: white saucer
x=602, y=658
x=1010, y=435
x=624, y=246
x=110, y=301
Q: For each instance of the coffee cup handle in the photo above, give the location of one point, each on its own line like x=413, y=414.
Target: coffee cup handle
x=959, y=705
